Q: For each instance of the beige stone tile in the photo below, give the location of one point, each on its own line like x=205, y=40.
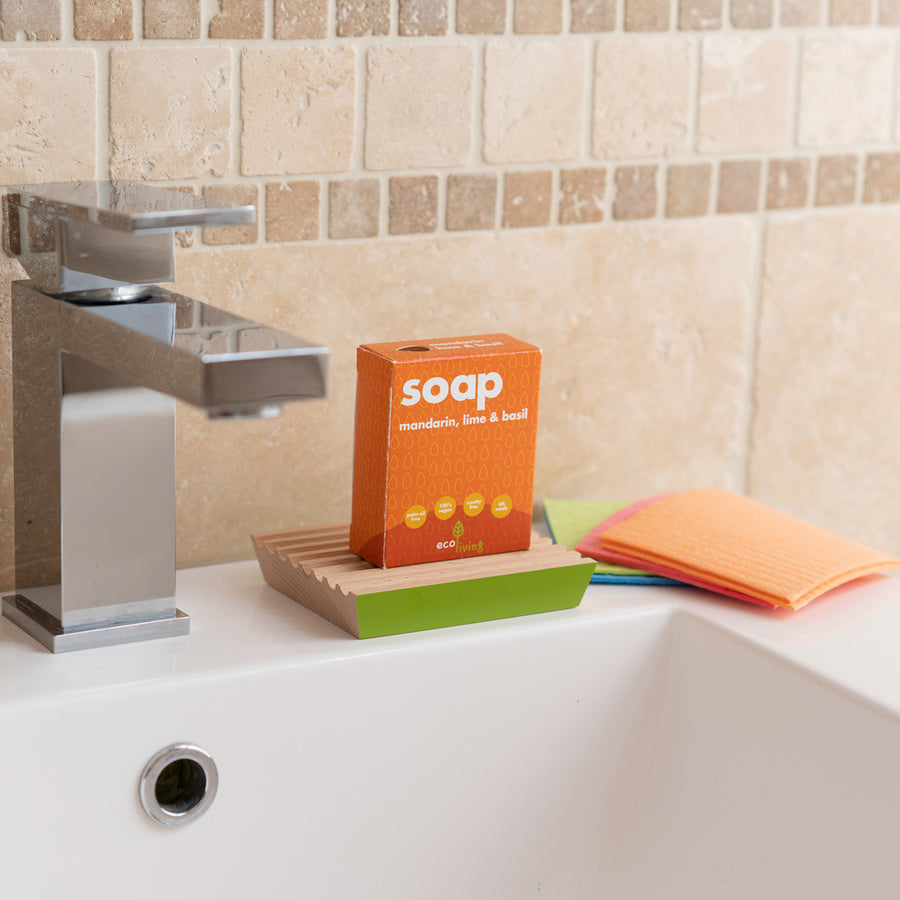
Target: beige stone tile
x=412, y=204
x=537, y=16
x=239, y=19
x=889, y=13
x=292, y=211
x=418, y=106
x=422, y=17
x=35, y=20
x=845, y=88
x=836, y=180
x=353, y=208
x=480, y=16
x=635, y=192
x=245, y=195
x=647, y=15
x=699, y=15
x=358, y=18
x=471, y=202
x=297, y=109
x=172, y=19
x=527, y=198
x=787, y=183
x=181, y=128
x=108, y=20
x=298, y=20
x=744, y=93
x=48, y=115
x=826, y=431
x=800, y=13
x=739, y=183
x=676, y=359
x=593, y=15
x=882, y=178
x=850, y=12
x=583, y=192
x=533, y=101
x=751, y=13
x=687, y=190
x=642, y=96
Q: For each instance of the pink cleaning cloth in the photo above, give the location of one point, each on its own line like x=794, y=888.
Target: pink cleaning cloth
x=592, y=546
x=728, y=543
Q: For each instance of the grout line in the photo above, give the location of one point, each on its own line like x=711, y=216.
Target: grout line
x=751, y=360
x=451, y=19
x=695, y=88
x=893, y=99
x=104, y=149
x=358, y=160
x=66, y=24
x=235, y=167
x=476, y=123
x=860, y=186
x=384, y=207
x=591, y=55
x=776, y=14
x=795, y=78
x=324, y=208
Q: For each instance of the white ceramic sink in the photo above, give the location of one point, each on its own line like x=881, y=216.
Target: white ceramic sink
x=653, y=743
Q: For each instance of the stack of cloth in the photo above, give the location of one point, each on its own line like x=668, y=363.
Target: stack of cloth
x=715, y=539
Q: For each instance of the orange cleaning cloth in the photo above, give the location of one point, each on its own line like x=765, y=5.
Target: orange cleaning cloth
x=728, y=543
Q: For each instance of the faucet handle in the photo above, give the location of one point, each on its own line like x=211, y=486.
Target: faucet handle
x=107, y=240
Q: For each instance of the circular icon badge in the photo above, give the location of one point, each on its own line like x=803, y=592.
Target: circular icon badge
x=415, y=516
x=445, y=507
x=501, y=506
x=473, y=504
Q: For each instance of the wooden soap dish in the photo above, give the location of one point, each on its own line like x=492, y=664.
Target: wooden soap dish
x=315, y=567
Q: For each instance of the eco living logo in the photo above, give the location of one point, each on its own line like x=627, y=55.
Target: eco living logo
x=463, y=547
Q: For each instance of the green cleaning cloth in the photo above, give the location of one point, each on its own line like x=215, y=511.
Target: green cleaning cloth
x=570, y=520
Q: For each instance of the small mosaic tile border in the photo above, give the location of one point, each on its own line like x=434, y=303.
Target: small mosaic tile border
x=622, y=129
x=367, y=207
x=115, y=20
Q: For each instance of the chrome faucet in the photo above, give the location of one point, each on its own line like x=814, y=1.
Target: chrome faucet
x=99, y=352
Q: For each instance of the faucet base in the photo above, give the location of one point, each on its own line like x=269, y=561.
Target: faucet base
x=45, y=630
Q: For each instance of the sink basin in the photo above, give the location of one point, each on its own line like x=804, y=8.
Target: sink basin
x=652, y=743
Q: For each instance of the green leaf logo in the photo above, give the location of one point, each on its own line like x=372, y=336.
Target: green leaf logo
x=457, y=529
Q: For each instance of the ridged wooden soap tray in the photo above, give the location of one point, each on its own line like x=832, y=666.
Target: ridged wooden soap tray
x=315, y=567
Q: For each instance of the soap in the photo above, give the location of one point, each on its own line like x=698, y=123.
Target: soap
x=444, y=448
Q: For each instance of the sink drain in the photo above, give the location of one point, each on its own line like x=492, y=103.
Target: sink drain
x=179, y=784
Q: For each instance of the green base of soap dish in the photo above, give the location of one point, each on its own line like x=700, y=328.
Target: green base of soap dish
x=315, y=567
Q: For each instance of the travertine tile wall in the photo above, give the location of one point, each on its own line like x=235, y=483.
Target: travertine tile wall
x=688, y=204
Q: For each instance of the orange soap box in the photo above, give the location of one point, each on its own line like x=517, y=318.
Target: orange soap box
x=444, y=448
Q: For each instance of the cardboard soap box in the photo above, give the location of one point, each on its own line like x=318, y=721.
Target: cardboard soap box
x=444, y=448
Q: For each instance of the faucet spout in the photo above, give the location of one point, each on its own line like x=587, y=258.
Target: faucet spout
x=189, y=350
